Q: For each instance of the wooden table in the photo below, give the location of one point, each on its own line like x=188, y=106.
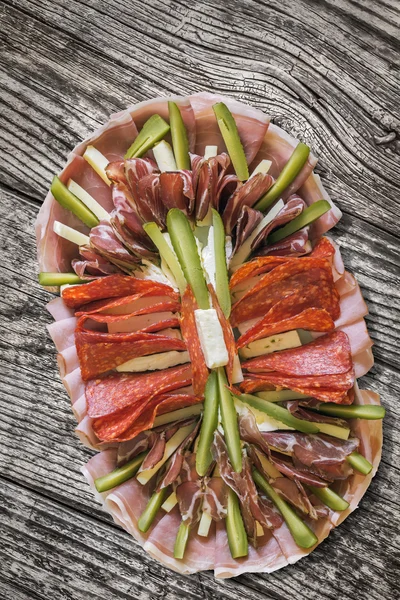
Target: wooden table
x=327, y=72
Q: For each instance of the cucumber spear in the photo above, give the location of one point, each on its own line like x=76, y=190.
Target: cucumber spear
x=154, y=130
x=288, y=174
x=229, y=131
x=119, y=475
x=229, y=421
x=152, y=507
x=368, y=411
x=237, y=538
x=308, y=216
x=208, y=425
x=166, y=253
x=330, y=498
x=359, y=463
x=221, y=271
x=69, y=201
x=301, y=533
x=179, y=136
x=184, y=244
x=181, y=540
x=57, y=279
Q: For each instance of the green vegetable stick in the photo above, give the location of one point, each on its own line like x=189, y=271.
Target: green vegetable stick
x=279, y=413
x=329, y=498
x=152, y=507
x=229, y=131
x=281, y=396
x=52, y=279
x=221, y=271
x=166, y=253
x=119, y=475
x=237, y=538
x=208, y=425
x=184, y=244
x=181, y=540
x=67, y=200
x=359, y=463
x=229, y=421
x=154, y=130
x=179, y=136
x=309, y=215
x=369, y=411
x=288, y=174
x=301, y=533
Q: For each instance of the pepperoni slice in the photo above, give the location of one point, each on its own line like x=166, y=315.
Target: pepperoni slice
x=162, y=324
x=113, y=286
x=258, y=383
x=323, y=249
x=257, y=266
x=327, y=355
x=191, y=337
x=229, y=338
x=141, y=303
x=122, y=391
x=296, y=276
x=311, y=319
x=100, y=352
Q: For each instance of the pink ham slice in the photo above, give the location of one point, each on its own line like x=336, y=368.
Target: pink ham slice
x=199, y=555
x=159, y=106
x=113, y=139
x=87, y=436
x=58, y=309
x=67, y=361
x=63, y=333
x=312, y=191
x=79, y=408
x=74, y=384
x=267, y=558
x=252, y=124
x=288, y=546
x=363, y=362
x=370, y=436
x=352, y=307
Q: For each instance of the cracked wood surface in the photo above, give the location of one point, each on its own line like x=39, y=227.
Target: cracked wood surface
x=327, y=72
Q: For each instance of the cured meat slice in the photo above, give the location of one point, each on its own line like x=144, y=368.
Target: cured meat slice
x=74, y=384
x=209, y=180
x=63, y=333
x=91, y=264
x=200, y=551
x=248, y=220
x=312, y=319
x=190, y=335
x=266, y=558
x=327, y=355
x=294, y=245
x=363, y=362
x=358, y=336
x=100, y=352
x=252, y=124
x=67, y=361
x=79, y=408
x=257, y=266
x=176, y=189
x=294, y=276
x=312, y=190
x=111, y=287
x=293, y=208
x=142, y=303
x=246, y=194
x=352, y=307
x=58, y=310
x=290, y=549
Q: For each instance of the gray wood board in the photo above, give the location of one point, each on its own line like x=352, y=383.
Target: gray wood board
x=328, y=72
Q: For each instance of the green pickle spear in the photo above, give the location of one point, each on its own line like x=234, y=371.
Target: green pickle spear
x=229, y=421
x=288, y=174
x=120, y=475
x=308, y=216
x=359, y=463
x=279, y=413
x=179, y=136
x=221, y=271
x=152, y=507
x=330, y=498
x=229, y=131
x=69, y=201
x=57, y=279
x=154, y=233
x=185, y=247
x=181, y=540
x=355, y=411
x=154, y=130
x=209, y=424
x=301, y=533
x=237, y=538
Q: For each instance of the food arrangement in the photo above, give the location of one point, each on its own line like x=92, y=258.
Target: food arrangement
x=209, y=336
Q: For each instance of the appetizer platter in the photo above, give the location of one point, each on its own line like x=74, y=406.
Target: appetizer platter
x=209, y=336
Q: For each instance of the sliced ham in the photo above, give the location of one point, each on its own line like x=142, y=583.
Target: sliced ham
x=67, y=361
x=252, y=124
x=79, y=408
x=352, y=307
x=74, y=384
x=311, y=191
x=58, y=309
x=87, y=436
x=63, y=333
x=363, y=362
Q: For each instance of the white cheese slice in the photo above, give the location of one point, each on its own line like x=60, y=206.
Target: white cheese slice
x=211, y=338
x=208, y=258
x=264, y=422
x=170, y=502
x=144, y=476
x=210, y=152
x=237, y=373
x=98, y=162
x=204, y=525
x=262, y=167
x=88, y=201
x=76, y=237
x=245, y=249
x=273, y=343
x=151, y=272
x=164, y=157
x=154, y=362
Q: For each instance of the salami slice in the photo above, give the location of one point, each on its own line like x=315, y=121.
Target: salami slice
x=327, y=355
x=296, y=276
x=229, y=338
x=311, y=319
x=190, y=335
x=257, y=266
x=141, y=303
x=152, y=327
x=113, y=393
x=323, y=249
x=113, y=286
x=100, y=352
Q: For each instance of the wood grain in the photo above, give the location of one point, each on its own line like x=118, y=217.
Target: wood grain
x=326, y=71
